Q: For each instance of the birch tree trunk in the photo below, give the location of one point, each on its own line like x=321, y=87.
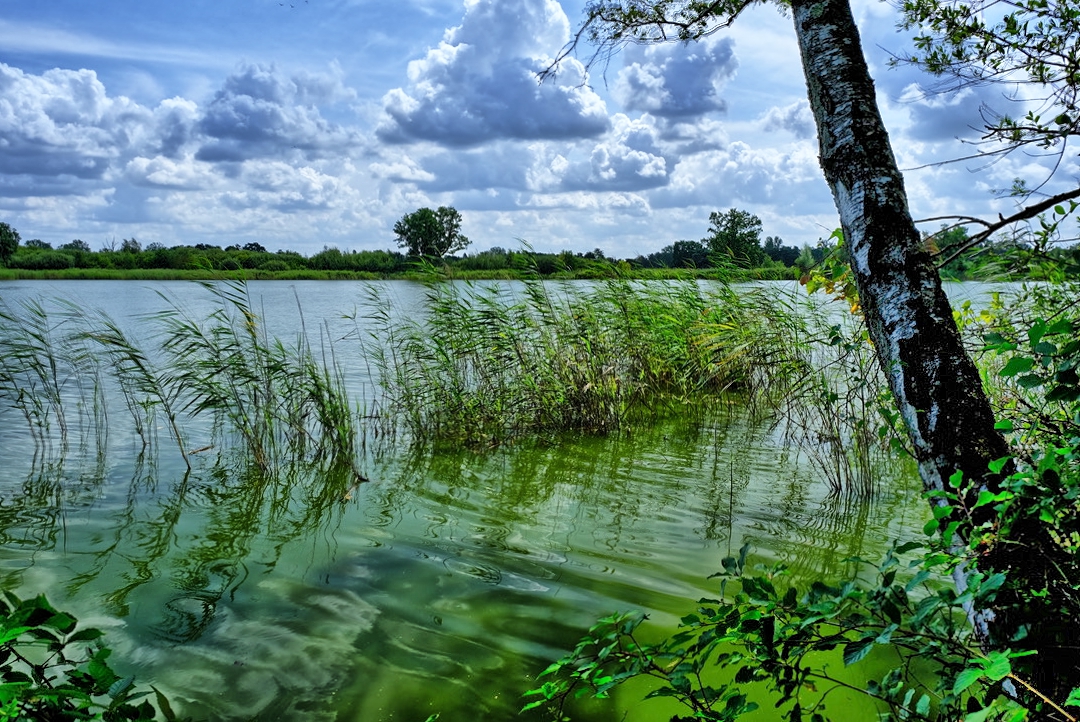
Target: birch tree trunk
x=935, y=383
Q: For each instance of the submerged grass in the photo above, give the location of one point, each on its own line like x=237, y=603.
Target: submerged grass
x=486, y=363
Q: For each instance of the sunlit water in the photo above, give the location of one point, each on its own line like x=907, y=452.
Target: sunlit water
x=443, y=584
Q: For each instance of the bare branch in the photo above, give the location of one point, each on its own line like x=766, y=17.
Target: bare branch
x=1027, y=213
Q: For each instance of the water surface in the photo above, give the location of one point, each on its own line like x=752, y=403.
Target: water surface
x=443, y=584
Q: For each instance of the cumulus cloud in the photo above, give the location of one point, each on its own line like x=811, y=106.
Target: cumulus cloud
x=63, y=123
x=740, y=173
x=499, y=166
x=795, y=118
x=162, y=172
x=677, y=80
x=261, y=113
x=945, y=116
x=628, y=159
x=480, y=83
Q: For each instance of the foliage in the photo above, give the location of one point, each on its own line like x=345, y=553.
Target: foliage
x=832, y=274
x=50, y=669
x=1023, y=41
x=41, y=260
x=9, y=242
x=1035, y=353
x=903, y=637
x=76, y=245
x=776, y=250
x=735, y=236
x=764, y=633
x=431, y=233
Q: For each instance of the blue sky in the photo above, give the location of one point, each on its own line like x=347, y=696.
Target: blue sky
x=301, y=124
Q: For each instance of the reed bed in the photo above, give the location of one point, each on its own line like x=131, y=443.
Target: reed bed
x=486, y=363
x=841, y=416
x=282, y=401
x=478, y=362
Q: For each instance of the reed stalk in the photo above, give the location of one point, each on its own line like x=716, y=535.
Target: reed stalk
x=485, y=363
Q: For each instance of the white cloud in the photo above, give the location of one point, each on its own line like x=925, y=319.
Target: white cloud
x=480, y=83
x=261, y=113
x=162, y=172
x=629, y=158
x=795, y=118
x=63, y=123
x=677, y=80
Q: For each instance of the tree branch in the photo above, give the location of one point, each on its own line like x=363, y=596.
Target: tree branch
x=1025, y=214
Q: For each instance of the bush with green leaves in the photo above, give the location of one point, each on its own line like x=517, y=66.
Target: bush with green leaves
x=41, y=260
x=764, y=638
x=51, y=669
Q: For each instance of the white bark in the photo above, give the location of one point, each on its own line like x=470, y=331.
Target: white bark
x=936, y=385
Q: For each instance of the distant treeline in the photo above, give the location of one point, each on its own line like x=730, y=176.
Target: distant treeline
x=732, y=249
x=131, y=256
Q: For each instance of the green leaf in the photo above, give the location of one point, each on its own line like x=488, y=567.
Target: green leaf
x=922, y=707
x=979, y=715
x=989, y=497
x=966, y=678
x=856, y=651
x=999, y=666
x=1074, y=698
x=1017, y=365
x=1062, y=326
x=85, y=635
x=1030, y=381
x=170, y=716
x=120, y=686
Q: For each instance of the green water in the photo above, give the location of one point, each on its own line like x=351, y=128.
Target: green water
x=442, y=585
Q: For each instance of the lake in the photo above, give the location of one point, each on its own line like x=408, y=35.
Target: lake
x=444, y=583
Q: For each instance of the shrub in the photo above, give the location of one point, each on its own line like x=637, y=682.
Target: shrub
x=42, y=260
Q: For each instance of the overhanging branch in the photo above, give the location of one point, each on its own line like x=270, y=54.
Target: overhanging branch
x=1027, y=213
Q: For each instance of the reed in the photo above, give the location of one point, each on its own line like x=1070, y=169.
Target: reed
x=279, y=399
x=282, y=401
x=144, y=387
x=34, y=373
x=485, y=363
x=842, y=416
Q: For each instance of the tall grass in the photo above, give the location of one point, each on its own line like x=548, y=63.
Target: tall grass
x=479, y=362
x=842, y=416
x=34, y=368
x=282, y=401
x=485, y=363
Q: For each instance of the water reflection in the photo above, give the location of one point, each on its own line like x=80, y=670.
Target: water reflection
x=442, y=585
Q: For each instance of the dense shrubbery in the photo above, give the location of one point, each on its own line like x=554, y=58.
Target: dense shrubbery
x=52, y=669
x=35, y=260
